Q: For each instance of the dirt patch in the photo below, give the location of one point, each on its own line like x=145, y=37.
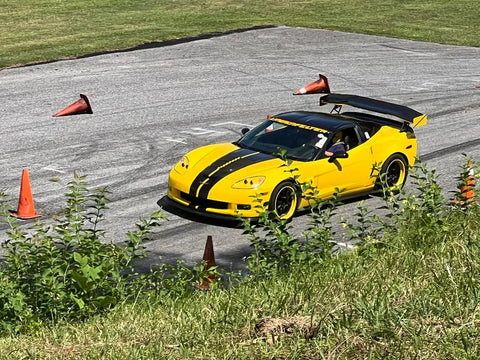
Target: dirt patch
x=271, y=329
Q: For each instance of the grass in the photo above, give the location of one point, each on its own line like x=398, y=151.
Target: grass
x=410, y=292
x=415, y=297
x=35, y=31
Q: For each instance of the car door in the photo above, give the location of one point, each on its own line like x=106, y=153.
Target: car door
x=351, y=175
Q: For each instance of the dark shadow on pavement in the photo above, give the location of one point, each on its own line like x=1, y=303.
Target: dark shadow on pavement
x=165, y=205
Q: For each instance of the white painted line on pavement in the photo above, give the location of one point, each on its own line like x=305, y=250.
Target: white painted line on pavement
x=48, y=168
x=230, y=123
x=182, y=141
x=201, y=131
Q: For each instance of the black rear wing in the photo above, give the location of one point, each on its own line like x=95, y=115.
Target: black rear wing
x=405, y=113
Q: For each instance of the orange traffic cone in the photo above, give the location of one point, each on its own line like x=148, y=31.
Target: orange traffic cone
x=319, y=86
x=81, y=106
x=26, y=208
x=209, y=259
x=467, y=189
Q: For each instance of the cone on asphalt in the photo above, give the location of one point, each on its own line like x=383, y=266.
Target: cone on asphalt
x=26, y=207
x=316, y=87
x=81, y=106
x=209, y=259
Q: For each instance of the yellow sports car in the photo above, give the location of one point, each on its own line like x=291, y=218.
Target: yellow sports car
x=336, y=150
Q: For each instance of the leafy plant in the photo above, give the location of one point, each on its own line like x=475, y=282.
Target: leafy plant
x=275, y=249
x=368, y=227
x=68, y=270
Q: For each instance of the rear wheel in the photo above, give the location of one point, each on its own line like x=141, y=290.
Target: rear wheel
x=394, y=172
x=284, y=200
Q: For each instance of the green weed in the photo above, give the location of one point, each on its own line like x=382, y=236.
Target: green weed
x=67, y=270
x=409, y=290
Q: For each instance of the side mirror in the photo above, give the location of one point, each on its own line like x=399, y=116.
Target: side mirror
x=338, y=155
x=245, y=130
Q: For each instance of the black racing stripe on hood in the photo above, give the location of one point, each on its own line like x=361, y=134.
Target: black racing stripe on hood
x=215, y=165
x=230, y=168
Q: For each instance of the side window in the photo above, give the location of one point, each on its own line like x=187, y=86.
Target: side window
x=350, y=138
x=369, y=130
x=342, y=141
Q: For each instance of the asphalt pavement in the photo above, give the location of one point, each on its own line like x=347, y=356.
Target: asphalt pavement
x=152, y=105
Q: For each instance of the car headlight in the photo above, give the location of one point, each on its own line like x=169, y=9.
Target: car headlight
x=252, y=182
x=182, y=165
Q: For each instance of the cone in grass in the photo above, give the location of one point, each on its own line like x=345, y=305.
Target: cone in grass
x=466, y=196
x=209, y=259
x=81, y=106
x=26, y=207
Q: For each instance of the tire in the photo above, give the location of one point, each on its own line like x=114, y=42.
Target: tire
x=394, y=172
x=284, y=200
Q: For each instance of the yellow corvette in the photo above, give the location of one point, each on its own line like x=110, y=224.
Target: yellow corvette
x=336, y=150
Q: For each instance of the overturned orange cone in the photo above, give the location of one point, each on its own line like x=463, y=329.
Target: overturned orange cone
x=26, y=208
x=209, y=259
x=319, y=86
x=81, y=106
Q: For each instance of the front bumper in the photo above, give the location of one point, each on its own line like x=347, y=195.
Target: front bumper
x=206, y=214
x=209, y=207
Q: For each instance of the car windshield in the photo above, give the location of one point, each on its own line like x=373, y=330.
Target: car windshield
x=297, y=142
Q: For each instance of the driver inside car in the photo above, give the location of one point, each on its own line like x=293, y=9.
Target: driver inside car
x=338, y=145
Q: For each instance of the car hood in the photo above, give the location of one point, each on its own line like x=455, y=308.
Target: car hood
x=211, y=164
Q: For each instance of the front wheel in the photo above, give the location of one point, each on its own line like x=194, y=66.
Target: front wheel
x=394, y=172
x=284, y=200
